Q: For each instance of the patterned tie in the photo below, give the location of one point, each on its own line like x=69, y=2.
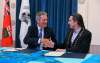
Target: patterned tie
x=40, y=36
x=40, y=33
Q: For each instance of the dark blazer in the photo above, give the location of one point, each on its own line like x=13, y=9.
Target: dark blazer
x=81, y=44
x=32, y=37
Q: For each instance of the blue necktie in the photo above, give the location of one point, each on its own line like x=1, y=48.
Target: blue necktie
x=40, y=33
x=40, y=36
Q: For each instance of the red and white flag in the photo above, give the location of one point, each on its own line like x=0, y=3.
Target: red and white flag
x=7, y=40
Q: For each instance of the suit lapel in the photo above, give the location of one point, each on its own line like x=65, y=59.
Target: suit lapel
x=46, y=33
x=69, y=39
x=35, y=31
x=77, y=38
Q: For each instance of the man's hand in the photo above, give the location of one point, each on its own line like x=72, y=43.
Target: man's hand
x=47, y=43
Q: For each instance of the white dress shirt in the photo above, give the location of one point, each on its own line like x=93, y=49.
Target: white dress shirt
x=39, y=30
x=75, y=33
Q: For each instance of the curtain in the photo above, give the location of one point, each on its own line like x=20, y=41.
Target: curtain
x=58, y=14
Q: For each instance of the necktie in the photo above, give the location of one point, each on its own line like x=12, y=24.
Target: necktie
x=40, y=33
x=40, y=36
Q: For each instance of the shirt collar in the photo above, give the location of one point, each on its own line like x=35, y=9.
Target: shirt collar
x=78, y=30
x=39, y=27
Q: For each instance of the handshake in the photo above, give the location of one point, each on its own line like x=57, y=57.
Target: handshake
x=47, y=43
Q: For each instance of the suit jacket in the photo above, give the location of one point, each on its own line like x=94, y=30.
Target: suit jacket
x=81, y=43
x=32, y=37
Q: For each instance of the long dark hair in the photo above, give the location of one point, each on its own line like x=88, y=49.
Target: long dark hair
x=78, y=17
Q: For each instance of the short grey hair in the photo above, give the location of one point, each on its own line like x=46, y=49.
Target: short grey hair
x=39, y=14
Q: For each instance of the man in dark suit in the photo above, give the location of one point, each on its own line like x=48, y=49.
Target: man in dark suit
x=78, y=38
x=40, y=37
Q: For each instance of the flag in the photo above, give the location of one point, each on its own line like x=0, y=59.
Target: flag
x=24, y=17
x=7, y=40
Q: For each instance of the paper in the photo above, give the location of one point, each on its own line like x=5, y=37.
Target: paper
x=54, y=53
x=20, y=48
x=2, y=48
x=10, y=49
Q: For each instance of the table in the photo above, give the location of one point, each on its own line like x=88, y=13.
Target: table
x=31, y=56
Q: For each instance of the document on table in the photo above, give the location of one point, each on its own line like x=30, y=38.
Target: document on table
x=2, y=48
x=20, y=48
x=10, y=49
x=54, y=53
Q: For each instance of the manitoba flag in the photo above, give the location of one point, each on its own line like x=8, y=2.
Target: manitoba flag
x=7, y=40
